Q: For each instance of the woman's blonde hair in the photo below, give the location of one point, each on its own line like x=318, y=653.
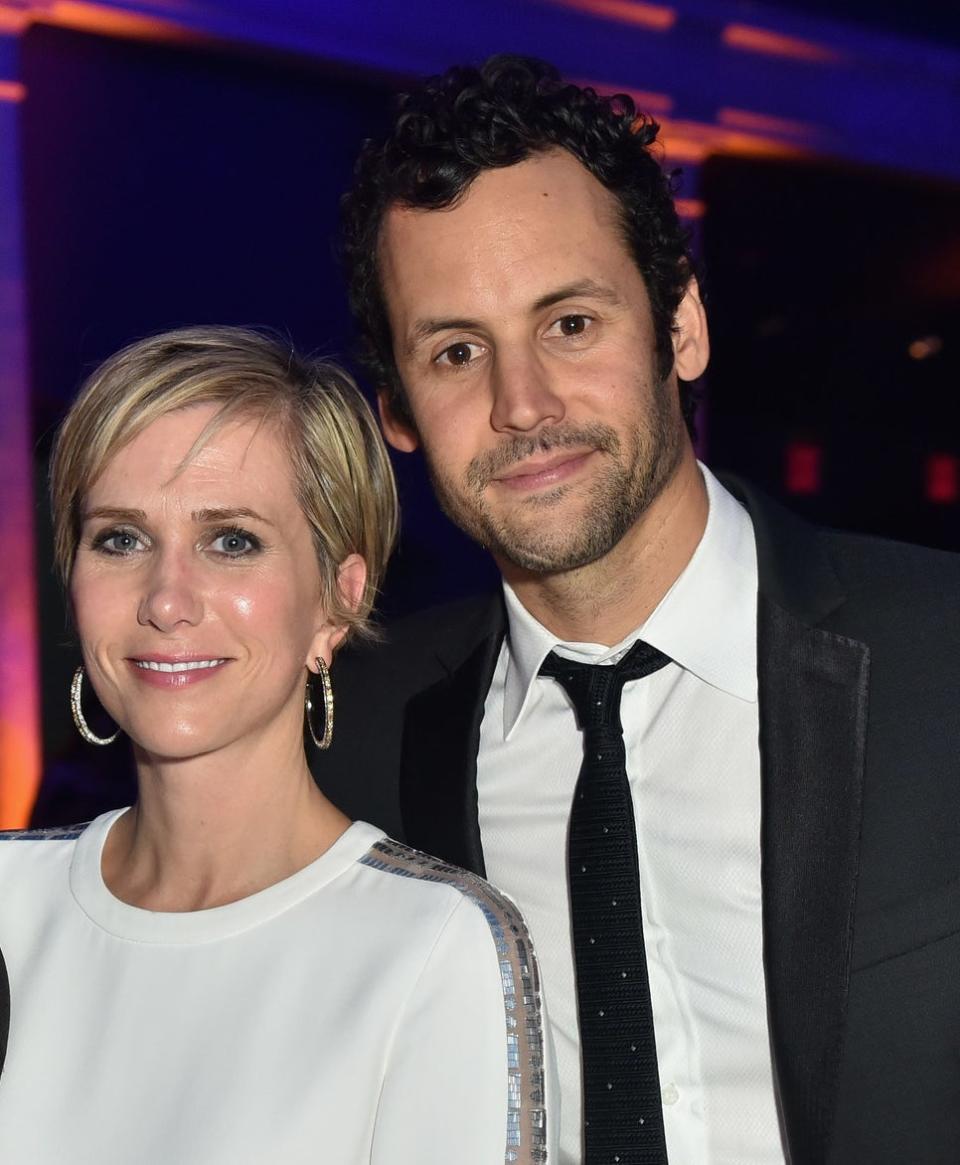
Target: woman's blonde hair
x=340, y=468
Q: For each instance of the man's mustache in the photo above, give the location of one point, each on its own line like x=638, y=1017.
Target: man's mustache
x=485, y=467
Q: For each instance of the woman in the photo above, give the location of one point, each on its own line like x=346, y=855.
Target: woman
x=231, y=971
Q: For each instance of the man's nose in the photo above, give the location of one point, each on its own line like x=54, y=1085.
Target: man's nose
x=172, y=593
x=525, y=393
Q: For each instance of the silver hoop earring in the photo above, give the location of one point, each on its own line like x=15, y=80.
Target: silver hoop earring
x=79, y=719
x=323, y=738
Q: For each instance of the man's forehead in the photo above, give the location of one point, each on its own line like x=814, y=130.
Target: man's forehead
x=505, y=218
x=536, y=184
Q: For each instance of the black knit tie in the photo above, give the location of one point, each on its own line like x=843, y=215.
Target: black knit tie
x=622, y=1113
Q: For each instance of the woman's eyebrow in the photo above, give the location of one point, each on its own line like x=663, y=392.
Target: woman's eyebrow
x=228, y=515
x=113, y=514
x=208, y=514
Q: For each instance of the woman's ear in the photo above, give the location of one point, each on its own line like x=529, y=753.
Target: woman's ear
x=351, y=581
x=691, y=341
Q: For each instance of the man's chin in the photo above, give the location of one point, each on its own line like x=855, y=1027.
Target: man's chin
x=552, y=534
x=545, y=556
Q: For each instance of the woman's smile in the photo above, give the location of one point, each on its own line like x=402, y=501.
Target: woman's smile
x=162, y=672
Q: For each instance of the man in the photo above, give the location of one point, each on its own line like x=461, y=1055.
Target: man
x=789, y=747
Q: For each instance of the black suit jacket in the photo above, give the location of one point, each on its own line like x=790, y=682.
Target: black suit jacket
x=859, y=702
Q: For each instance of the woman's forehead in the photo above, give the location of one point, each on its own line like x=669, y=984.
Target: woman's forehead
x=180, y=452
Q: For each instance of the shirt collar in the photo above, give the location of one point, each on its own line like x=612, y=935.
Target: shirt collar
x=706, y=622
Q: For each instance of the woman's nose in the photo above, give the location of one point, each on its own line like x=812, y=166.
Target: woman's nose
x=172, y=595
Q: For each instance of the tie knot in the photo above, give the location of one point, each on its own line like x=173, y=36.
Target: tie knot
x=595, y=688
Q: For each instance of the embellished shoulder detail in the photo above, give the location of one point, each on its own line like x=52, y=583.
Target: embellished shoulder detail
x=526, y=1133
x=53, y=833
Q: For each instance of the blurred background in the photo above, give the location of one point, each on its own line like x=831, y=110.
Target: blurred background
x=181, y=162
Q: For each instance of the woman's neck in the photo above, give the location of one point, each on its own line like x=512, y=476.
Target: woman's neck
x=212, y=829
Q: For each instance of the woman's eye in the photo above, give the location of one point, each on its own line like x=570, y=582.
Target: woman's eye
x=459, y=354
x=573, y=325
x=234, y=543
x=117, y=542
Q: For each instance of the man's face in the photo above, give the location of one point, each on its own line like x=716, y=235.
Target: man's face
x=523, y=335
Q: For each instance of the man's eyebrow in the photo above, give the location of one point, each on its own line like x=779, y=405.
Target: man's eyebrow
x=426, y=329
x=582, y=287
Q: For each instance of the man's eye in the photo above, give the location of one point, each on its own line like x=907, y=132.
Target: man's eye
x=117, y=542
x=459, y=354
x=572, y=325
x=234, y=543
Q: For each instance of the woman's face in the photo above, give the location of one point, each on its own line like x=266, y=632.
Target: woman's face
x=196, y=592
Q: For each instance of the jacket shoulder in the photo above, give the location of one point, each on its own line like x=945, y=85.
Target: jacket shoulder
x=374, y=683
x=818, y=572
x=865, y=561
x=901, y=600
x=421, y=645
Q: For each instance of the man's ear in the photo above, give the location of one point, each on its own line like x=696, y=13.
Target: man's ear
x=691, y=341
x=400, y=433
x=351, y=580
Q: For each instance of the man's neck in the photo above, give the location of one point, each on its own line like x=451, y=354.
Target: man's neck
x=607, y=599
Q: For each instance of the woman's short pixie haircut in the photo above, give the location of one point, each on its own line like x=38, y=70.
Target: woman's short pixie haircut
x=340, y=469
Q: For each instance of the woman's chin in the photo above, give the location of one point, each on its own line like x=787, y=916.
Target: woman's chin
x=170, y=748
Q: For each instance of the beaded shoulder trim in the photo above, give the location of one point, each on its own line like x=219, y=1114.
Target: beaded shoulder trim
x=54, y=833
x=520, y=978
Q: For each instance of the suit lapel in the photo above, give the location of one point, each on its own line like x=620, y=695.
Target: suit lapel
x=813, y=694
x=813, y=706
x=441, y=738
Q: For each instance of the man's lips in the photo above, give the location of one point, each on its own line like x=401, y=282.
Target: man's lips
x=538, y=472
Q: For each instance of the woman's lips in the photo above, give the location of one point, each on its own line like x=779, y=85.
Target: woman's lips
x=175, y=673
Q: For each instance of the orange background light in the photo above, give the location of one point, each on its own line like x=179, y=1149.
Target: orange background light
x=775, y=44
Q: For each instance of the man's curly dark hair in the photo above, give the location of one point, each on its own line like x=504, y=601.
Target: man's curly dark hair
x=468, y=120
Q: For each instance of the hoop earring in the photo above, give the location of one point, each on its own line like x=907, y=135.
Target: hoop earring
x=321, y=740
x=78, y=717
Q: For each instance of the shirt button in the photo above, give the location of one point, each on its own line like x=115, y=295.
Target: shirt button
x=670, y=1095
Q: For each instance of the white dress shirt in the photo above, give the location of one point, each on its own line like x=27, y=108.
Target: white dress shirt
x=693, y=761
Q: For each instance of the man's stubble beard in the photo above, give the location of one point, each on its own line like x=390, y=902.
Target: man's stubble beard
x=622, y=490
